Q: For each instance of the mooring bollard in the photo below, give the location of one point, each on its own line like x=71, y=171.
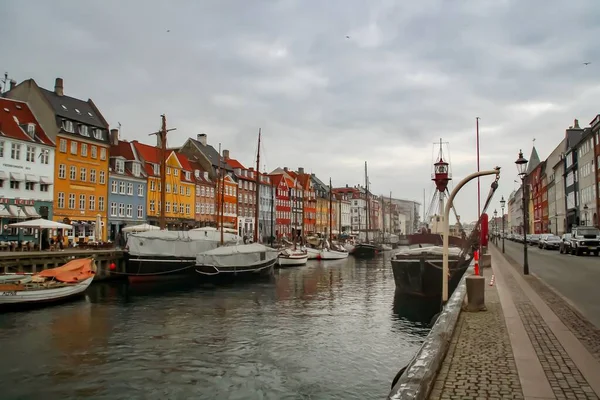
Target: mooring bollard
x=475, y=289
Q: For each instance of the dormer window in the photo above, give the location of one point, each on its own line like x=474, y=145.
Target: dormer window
x=120, y=166
x=31, y=130
x=206, y=175
x=67, y=126
x=98, y=133
x=135, y=168
x=197, y=174
x=83, y=130
x=156, y=169
x=188, y=176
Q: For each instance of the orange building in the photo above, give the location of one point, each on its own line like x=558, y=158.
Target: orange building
x=180, y=189
x=227, y=208
x=81, y=163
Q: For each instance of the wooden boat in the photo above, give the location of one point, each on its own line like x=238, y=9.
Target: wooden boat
x=243, y=260
x=292, y=258
x=50, y=285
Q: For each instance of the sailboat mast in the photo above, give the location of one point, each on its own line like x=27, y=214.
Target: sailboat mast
x=339, y=216
x=367, y=223
x=222, y=202
x=383, y=216
x=272, y=212
x=257, y=210
x=330, y=213
x=390, y=216
x=162, y=137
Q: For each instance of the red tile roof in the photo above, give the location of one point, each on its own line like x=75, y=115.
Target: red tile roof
x=184, y=161
x=276, y=179
x=233, y=163
x=305, y=181
x=123, y=149
x=11, y=127
x=146, y=152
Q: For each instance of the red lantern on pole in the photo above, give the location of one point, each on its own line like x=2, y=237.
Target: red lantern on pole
x=484, y=230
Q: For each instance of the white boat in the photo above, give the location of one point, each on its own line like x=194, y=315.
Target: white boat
x=349, y=247
x=50, y=285
x=292, y=258
x=238, y=259
x=313, y=254
x=329, y=254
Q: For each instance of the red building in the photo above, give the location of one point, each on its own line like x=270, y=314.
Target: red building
x=282, y=206
x=535, y=180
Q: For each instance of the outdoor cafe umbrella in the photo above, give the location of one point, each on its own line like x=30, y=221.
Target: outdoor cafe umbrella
x=40, y=223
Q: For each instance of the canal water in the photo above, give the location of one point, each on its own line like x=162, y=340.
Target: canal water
x=330, y=330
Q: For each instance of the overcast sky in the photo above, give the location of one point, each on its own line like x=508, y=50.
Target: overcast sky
x=331, y=83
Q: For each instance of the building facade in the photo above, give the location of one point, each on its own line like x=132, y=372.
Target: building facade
x=266, y=209
x=246, y=202
x=81, y=162
x=282, y=206
x=553, y=188
x=586, y=177
x=227, y=205
x=27, y=173
x=571, y=176
x=205, y=197
x=595, y=127
x=309, y=201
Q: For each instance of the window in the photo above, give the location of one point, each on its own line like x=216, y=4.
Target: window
x=152, y=203
x=83, y=130
x=168, y=170
x=44, y=187
x=121, y=209
x=62, y=171
x=82, y=201
x=30, y=156
x=67, y=125
x=83, y=149
x=120, y=166
x=45, y=156
x=181, y=190
x=98, y=135
x=72, y=173
x=61, y=200
x=136, y=169
x=94, y=152
x=167, y=188
x=188, y=175
x=92, y=202
x=174, y=188
x=73, y=147
x=63, y=145
x=140, y=211
x=130, y=189
x=156, y=169
x=175, y=207
x=102, y=177
x=122, y=187
x=175, y=172
x=93, y=175
x=140, y=190
x=101, y=203
x=199, y=208
x=181, y=208
x=71, y=201
x=1, y=148
x=83, y=174
x=103, y=153
x=129, y=210
x=152, y=186
x=187, y=209
x=29, y=185
x=187, y=191
x=113, y=187
x=15, y=151
x=113, y=209
x=167, y=206
x=202, y=191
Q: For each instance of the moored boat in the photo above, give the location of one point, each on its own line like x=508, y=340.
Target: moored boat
x=331, y=254
x=292, y=258
x=51, y=285
x=237, y=260
x=365, y=250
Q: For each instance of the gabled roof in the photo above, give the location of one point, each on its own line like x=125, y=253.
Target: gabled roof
x=67, y=107
x=305, y=181
x=211, y=154
x=14, y=117
x=319, y=183
x=146, y=152
x=233, y=163
x=123, y=149
x=277, y=179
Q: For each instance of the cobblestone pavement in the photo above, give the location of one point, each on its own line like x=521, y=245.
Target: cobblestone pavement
x=479, y=363
x=586, y=332
x=564, y=377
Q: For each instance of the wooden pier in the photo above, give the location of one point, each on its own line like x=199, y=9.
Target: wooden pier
x=35, y=261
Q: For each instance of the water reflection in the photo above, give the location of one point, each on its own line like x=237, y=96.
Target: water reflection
x=326, y=330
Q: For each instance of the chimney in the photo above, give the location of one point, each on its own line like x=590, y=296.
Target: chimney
x=285, y=169
x=225, y=154
x=576, y=124
x=13, y=83
x=58, y=87
x=301, y=170
x=201, y=137
x=114, y=137
x=346, y=185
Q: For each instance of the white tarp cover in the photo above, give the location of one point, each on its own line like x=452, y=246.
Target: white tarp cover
x=180, y=244
x=430, y=250
x=40, y=224
x=141, y=228
x=241, y=255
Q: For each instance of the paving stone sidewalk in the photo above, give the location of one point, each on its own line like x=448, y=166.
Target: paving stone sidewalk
x=480, y=362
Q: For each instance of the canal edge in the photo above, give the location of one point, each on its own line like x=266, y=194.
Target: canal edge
x=417, y=381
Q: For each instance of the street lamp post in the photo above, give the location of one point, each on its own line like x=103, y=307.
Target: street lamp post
x=496, y=227
x=522, y=168
x=585, y=211
x=502, y=204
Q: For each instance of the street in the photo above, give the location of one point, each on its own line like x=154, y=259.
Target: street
x=575, y=278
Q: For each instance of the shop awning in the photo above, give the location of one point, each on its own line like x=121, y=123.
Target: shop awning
x=16, y=211
x=16, y=176
x=46, y=180
x=31, y=178
x=4, y=213
x=3, y=175
x=31, y=212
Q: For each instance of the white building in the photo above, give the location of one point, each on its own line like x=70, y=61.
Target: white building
x=555, y=190
x=586, y=176
x=266, y=208
x=27, y=170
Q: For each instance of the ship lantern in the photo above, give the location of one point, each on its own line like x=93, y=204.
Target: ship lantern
x=441, y=175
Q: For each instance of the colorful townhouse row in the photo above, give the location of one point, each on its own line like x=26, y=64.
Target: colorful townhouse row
x=563, y=190
x=61, y=161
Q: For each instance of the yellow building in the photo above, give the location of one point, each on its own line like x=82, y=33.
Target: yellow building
x=180, y=189
x=81, y=135
x=322, y=214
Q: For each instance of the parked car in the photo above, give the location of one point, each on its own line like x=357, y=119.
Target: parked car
x=533, y=239
x=585, y=239
x=550, y=242
x=543, y=237
x=565, y=244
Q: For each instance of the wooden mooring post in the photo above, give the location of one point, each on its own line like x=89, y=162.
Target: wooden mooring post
x=36, y=261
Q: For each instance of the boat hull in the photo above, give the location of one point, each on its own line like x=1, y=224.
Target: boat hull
x=332, y=255
x=292, y=261
x=422, y=276
x=261, y=269
x=363, y=250
x=43, y=295
x=141, y=268
x=313, y=254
